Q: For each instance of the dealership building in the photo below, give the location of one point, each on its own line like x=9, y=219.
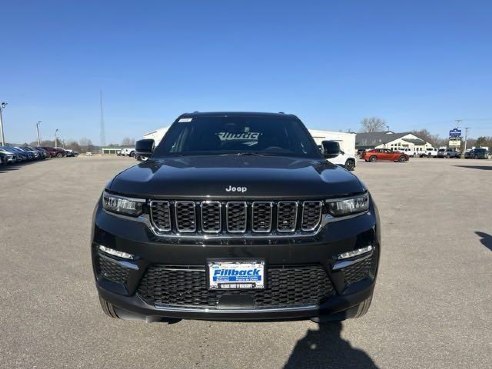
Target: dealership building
x=390, y=140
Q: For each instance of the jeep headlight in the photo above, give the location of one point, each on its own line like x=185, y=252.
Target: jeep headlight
x=122, y=205
x=347, y=206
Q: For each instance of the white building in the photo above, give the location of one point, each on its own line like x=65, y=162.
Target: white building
x=389, y=140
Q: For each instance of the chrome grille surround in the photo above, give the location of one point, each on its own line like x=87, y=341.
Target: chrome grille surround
x=219, y=218
x=236, y=216
x=211, y=216
x=261, y=216
x=160, y=215
x=311, y=215
x=185, y=216
x=289, y=210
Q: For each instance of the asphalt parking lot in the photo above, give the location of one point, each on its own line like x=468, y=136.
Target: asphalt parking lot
x=432, y=306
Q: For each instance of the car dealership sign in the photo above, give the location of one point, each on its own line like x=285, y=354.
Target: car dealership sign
x=455, y=133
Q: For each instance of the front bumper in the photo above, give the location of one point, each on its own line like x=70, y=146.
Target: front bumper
x=123, y=288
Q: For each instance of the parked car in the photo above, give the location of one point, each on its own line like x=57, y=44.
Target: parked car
x=384, y=154
x=37, y=153
x=127, y=151
x=30, y=155
x=6, y=158
x=21, y=155
x=235, y=216
x=479, y=153
x=70, y=153
x=55, y=151
x=448, y=153
x=44, y=152
x=429, y=152
x=9, y=157
x=408, y=151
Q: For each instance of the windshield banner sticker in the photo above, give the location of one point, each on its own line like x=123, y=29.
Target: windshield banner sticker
x=246, y=136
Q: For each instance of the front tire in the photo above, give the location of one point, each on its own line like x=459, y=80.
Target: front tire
x=350, y=165
x=357, y=311
x=59, y=155
x=132, y=154
x=372, y=159
x=402, y=159
x=108, y=308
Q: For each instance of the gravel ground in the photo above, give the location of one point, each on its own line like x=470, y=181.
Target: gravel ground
x=432, y=307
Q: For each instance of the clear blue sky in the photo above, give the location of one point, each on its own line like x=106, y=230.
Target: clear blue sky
x=417, y=64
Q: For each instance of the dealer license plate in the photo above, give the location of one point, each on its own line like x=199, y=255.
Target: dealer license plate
x=236, y=275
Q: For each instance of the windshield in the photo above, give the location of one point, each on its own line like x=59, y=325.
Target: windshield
x=222, y=135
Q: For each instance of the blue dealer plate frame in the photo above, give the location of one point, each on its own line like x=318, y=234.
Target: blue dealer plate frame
x=236, y=274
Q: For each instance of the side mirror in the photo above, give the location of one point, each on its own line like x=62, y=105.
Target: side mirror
x=144, y=147
x=331, y=149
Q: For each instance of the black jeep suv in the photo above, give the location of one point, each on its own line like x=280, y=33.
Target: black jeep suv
x=235, y=216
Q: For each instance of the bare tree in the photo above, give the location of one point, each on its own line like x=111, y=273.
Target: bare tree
x=73, y=145
x=483, y=141
x=45, y=143
x=127, y=141
x=373, y=124
x=85, y=144
x=425, y=135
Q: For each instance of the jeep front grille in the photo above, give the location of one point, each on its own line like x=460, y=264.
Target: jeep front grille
x=235, y=217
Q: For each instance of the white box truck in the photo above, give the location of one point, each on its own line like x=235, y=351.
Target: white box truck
x=346, y=141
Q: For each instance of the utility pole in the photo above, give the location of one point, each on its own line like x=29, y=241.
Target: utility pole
x=2, y=136
x=56, y=140
x=466, y=137
x=37, y=128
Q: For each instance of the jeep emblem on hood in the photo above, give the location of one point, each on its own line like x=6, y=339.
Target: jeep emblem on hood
x=236, y=189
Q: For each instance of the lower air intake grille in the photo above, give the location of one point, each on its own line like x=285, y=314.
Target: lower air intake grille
x=187, y=287
x=358, y=271
x=111, y=270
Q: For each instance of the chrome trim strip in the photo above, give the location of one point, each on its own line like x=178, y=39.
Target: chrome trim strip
x=295, y=216
x=259, y=310
x=220, y=216
x=346, y=263
x=245, y=205
x=320, y=204
x=190, y=230
x=168, y=214
x=124, y=264
x=253, y=215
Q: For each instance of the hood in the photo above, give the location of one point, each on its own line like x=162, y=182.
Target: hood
x=226, y=177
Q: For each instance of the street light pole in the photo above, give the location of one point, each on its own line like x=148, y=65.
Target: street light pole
x=56, y=140
x=2, y=136
x=37, y=128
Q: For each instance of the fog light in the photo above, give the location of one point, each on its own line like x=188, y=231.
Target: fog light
x=120, y=254
x=351, y=254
